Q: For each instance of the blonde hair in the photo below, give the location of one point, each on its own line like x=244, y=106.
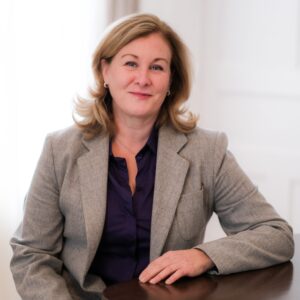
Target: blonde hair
x=96, y=114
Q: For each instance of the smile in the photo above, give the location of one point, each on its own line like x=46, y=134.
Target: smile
x=141, y=95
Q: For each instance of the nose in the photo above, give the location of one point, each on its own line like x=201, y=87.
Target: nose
x=143, y=77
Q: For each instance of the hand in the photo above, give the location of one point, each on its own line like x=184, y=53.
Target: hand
x=176, y=264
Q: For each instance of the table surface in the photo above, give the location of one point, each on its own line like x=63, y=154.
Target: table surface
x=278, y=282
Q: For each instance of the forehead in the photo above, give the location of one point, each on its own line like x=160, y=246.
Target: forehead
x=154, y=45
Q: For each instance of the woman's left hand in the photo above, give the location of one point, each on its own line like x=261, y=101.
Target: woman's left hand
x=173, y=265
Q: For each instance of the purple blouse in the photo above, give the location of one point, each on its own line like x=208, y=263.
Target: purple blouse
x=125, y=244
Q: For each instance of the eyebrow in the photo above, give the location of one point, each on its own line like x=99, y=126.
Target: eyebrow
x=156, y=59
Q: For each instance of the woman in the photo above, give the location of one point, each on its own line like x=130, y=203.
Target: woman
x=128, y=191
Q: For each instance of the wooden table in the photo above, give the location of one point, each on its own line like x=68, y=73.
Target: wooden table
x=278, y=282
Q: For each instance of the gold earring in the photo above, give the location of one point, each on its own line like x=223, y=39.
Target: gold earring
x=105, y=85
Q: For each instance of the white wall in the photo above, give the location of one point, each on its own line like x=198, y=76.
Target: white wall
x=45, y=58
x=247, y=83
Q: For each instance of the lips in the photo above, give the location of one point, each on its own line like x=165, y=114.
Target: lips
x=141, y=95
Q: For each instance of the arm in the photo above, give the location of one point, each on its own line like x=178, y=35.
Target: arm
x=35, y=265
x=256, y=236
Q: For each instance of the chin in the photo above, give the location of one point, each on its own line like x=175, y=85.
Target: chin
x=143, y=115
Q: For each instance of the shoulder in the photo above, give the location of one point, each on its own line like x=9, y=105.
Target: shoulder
x=67, y=141
x=198, y=141
x=207, y=140
x=71, y=143
x=206, y=147
x=66, y=135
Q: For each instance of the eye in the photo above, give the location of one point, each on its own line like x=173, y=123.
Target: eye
x=131, y=64
x=157, y=68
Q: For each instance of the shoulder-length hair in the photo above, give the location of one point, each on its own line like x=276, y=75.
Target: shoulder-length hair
x=96, y=115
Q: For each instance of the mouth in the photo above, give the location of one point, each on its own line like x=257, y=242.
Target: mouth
x=141, y=95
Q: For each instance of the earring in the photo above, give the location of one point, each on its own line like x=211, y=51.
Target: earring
x=105, y=85
x=168, y=93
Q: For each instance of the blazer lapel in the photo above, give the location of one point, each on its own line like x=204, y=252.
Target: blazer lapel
x=170, y=176
x=93, y=173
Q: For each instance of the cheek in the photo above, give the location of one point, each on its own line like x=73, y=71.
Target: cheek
x=123, y=80
x=118, y=85
x=163, y=85
x=118, y=78
x=165, y=81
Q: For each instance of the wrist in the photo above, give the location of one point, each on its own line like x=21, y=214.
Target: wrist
x=207, y=262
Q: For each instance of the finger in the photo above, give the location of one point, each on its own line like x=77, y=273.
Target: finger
x=153, y=269
x=148, y=273
x=163, y=274
x=175, y=276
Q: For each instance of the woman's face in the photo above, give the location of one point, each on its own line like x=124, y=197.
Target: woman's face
x=139, y=77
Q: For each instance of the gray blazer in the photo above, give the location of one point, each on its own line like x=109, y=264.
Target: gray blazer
x=65, y=211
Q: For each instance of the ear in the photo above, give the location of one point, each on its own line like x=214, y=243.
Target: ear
x=104, y=69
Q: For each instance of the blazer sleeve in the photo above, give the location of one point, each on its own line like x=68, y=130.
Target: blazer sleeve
x=37, y=243
x=256, y=236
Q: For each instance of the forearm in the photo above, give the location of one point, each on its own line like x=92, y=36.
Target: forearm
x=37, y=274
x=256, y=248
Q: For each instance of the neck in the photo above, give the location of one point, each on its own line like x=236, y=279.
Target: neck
x=133, y=132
